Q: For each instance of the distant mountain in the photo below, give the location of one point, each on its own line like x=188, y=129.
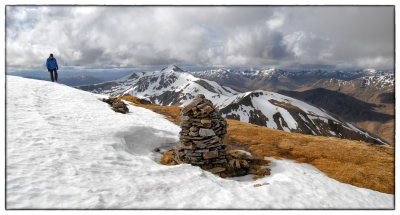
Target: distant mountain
x=80, y=80
x=170, y=86
x=376, y=90
x=369, y=100
x=345, y=106
x=273, y=79
x=173, y=86
x=73, y=80
x=75, y=77
x=281, y=112
x=367, y=88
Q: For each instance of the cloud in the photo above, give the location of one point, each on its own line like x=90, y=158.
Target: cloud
x=374, y=62
x=309, y=48
x=276, y=21
x=203, y=36
x=255, y=46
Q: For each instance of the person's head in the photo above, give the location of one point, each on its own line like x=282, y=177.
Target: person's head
x=51, y=56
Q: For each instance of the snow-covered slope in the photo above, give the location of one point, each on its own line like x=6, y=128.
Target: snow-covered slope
x=375, y=81
x=66, y=149
x=169, y=86
x=277, y=111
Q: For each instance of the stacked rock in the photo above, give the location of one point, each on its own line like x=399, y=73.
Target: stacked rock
x=202, y=136
x=117, y=104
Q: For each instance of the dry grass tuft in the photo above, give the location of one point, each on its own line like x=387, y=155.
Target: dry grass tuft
x=168, y=158
x=170, y=112
x=347, y=161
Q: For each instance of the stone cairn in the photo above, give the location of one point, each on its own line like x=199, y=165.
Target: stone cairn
x=202, y=136
x=117, y=104
x=202, y=144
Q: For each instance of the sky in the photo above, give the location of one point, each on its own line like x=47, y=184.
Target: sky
x=87, y=37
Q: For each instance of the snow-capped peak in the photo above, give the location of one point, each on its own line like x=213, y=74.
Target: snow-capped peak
x=172, y=68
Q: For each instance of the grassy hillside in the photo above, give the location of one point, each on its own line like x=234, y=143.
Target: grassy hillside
x=351, y=162
x=382, y=98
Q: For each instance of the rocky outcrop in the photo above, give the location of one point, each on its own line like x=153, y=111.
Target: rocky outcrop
x=242, y=163
x=117, y=104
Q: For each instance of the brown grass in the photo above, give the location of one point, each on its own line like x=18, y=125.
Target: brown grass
x=347, y=161
x=170, y=112
x=168, y=159
x=384, y=130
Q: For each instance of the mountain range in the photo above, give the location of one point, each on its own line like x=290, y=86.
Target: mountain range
x=279, y=79
x=364, y=97
x=174, y=86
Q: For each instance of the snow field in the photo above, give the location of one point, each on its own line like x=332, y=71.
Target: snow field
x=66, y=149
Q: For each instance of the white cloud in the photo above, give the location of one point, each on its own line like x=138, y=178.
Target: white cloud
x=247, y=36
x=277, y=21
x=374, y=62
x=308, y=47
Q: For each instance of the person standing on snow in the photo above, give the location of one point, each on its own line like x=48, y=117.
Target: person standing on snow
x=52, y=66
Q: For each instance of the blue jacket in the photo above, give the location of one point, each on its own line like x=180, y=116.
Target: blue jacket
x=51, y=64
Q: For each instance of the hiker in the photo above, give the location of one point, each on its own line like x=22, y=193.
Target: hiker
x=52, y=66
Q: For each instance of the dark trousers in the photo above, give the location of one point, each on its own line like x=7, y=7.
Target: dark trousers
x=55, y=74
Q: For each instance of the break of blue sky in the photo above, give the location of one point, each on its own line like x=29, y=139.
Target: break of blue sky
x=118, y=37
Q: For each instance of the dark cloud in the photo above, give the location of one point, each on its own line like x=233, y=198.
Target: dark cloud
x=229, y=36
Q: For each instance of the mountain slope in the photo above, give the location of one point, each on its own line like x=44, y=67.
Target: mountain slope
x=170, y=86
x=349, y=108
x=63, y=158
x=369, y=88
x=375, y=89
x=173, y=86
x=277, y=111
